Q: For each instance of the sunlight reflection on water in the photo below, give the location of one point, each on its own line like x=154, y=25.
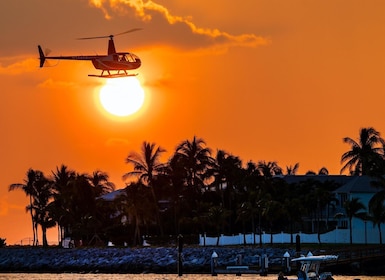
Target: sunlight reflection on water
x=76, y=276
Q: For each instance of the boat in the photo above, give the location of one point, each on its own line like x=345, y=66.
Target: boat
x=310, y=265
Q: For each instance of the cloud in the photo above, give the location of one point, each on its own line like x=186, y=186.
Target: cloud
x=150, y=11
x=15, y=66
x=117, y=142
x=99, y=4
x=50, y=83
x=6, y=207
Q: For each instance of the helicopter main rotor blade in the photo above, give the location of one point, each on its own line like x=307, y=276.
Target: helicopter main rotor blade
x=96, y=37
x=110, y=36
x=128, y=31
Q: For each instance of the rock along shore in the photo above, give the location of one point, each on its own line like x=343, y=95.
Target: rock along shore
x=153, y=260
x=128, y=260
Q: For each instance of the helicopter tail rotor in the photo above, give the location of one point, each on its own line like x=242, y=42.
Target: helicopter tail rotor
x=41, y=56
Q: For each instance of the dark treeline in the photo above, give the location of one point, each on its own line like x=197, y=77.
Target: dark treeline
x=196, y=191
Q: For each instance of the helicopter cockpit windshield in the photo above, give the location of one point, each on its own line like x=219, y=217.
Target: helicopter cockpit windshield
x=126, y=57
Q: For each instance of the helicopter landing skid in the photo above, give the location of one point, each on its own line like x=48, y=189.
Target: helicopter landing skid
x=117, y=75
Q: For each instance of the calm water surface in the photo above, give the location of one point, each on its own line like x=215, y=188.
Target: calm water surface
x=76, y=276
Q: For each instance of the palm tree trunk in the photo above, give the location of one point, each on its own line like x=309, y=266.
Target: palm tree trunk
x=32, y=220
x=351, y=231
x=36, y=237
x=44, y=236
x=253, y=227
x=157, y=211
x=137, y=229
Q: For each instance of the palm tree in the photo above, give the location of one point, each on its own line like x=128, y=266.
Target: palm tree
x=323, y=193
x=323, y=171
x=81, y=207
x=196, y=159
x=292, y=170
x=42, y=207
x=353, y=208
x=227, y=171
x=101, y=184
x=269, y=169
x=366, y=155
x=132, y=205
x=245, y=212
x=28, y=188
x=40, y=192
x=62, y=199
x=147, y=166
x=377, y=213
x=175, y=173
x=217, y=216
x=273, y=210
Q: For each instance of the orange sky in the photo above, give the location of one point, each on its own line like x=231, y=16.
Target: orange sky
x=270, y=80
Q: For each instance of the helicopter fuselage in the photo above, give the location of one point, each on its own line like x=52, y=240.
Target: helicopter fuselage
x=117, y=62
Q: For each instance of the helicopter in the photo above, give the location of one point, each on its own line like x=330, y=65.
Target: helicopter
x=113, y=65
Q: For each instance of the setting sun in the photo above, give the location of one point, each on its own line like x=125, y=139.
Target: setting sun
x=122, y=96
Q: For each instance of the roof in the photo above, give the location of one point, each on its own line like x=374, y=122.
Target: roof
x=348, y=184
x=112, y=195
x=358, y=184
x=293, y=179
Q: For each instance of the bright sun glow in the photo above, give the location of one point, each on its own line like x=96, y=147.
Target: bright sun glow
x=122, y=96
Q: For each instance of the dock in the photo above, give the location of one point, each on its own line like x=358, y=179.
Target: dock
x=351, y=255
x=361, y=254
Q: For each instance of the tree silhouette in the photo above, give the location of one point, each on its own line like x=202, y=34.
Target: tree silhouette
x=269, y=169
x=132, y=205
x=377, y=215
x=200, y=192
x=101, y=184
x=292, y=170
x=227, y=172
x=146, y=166
x=62, y=199
x=196, y=159
x=217, y=216
x=365, y=156
x=352, y=208
x=40, y=192
x=29, y=190
x=41, y=205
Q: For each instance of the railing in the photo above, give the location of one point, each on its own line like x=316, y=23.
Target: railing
x=359, y=254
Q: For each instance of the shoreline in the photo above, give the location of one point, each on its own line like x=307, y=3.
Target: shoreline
x=156, y=260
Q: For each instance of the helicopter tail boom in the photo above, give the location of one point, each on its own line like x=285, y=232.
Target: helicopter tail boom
x=42, y=56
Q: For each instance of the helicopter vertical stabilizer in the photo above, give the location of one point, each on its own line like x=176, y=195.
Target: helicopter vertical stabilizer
x=111, y=46
x=42, y=56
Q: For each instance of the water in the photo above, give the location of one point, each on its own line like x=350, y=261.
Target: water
x=77, y=276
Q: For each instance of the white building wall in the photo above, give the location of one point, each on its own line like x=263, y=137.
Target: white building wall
x=338, y=236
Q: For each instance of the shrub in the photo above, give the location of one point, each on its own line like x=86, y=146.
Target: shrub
x=2, y=243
